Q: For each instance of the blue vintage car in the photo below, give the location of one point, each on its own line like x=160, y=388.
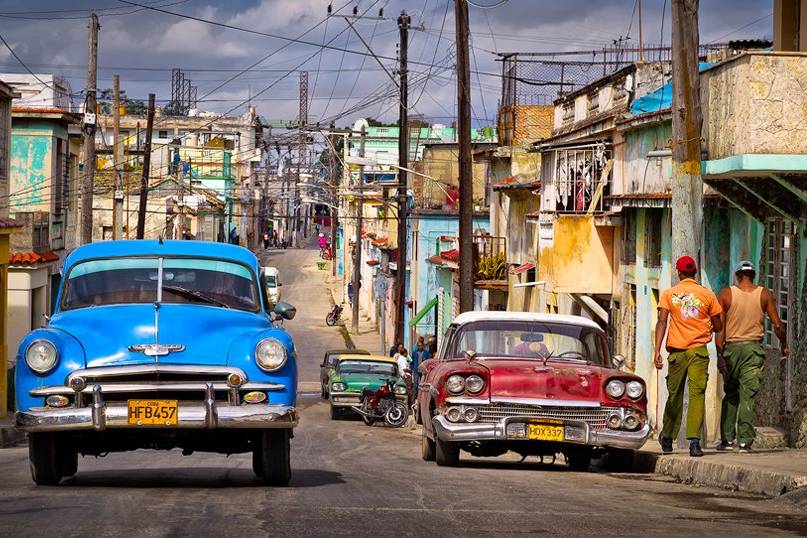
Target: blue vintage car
x=159, y=345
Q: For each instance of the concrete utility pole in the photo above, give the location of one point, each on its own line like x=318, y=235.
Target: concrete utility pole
x=117, y=159
x=357, y=252
x=334, y=197
x=641, y=35
x=466, y=179
x=403, y=159
x=144, y=179
x=687, y=184
x=89, y=139
x=302, y=155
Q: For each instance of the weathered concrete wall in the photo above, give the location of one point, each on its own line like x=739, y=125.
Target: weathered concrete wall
x=30, y=171
x=440, y=163
x=750, y=102
x=523, y=124
x=634, y=171
x=581, y=257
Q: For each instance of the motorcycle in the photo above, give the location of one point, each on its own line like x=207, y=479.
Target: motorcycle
x=381, y=404
x=334, y=316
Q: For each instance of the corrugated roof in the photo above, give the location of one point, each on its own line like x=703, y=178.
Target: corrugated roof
x=32, y=258
x=6, y=222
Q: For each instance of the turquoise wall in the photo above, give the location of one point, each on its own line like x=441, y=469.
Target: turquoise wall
x=29, y=171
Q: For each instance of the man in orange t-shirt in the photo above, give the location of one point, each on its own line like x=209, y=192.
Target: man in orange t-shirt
x=694, y=315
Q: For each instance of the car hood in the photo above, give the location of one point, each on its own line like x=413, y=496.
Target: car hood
x=555, y=380
x=356, y=382
x=107, y=332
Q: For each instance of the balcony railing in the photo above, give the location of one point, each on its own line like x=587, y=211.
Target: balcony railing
x=579, y=179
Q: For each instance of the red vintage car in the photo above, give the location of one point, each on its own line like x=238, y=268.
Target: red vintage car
x=536, y=384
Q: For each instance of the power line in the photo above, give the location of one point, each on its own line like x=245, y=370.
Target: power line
x=25, y=66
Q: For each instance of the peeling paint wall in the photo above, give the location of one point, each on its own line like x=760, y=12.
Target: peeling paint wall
x=750, y=103
x=30, y=171
x=581, y=257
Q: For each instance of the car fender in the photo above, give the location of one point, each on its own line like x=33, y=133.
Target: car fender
x=70, y=357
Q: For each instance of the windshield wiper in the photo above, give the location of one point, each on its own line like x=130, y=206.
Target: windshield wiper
x=191, y=294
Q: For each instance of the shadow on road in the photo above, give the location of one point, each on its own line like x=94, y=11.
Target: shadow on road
x=199, y=477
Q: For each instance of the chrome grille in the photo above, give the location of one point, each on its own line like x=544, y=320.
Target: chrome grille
x=596, y=417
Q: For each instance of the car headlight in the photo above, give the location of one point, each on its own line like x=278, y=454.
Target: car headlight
x=634, y=389
x=400, y=390
x=270, y=354
x=41, y=356
x=338, y=387
x=615, y=388
x=474, y=384
x=455, y=384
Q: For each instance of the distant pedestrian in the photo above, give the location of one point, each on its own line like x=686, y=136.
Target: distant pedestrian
x=394, y=349
x=419, y=354
x=694, y=314
x=740, y=353
x=405, y=369
x=351, y=293
x=266, y=240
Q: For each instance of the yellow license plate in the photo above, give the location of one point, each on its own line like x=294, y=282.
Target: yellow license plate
x=544, y=432
x=153, y=412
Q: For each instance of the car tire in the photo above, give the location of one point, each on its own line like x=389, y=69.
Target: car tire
x=275, y=457
x=44, y=456
x=68, y=462
x=257, y=457
x=427, y=447
x=446, y=453
x=579, y=461
x=330, y=320
x=322, y=393
x=336, y=414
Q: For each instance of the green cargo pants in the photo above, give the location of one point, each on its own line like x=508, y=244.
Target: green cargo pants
x=689, y=367
x=744, y=365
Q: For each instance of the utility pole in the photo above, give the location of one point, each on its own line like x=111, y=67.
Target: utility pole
x=117, y=159
x=144, y=179
x=334, y=198
x=89, y=138
x=357, y=252
x=466, y=179
x=302, y=153
x=404, y=21
x=641, y=35
x=687, y=184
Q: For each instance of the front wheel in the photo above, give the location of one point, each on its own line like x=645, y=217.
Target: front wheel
x=330, y=319
x=446, y=454
x=396, y=414
x=579, y=461
x=275, y=457
x=427, y=447
x=47, y=462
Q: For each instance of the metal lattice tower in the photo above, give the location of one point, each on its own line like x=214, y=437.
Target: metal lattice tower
x=303, y=118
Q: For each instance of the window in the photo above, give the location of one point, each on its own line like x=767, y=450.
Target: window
x=652, y=254
x=778, y=271
x=106, y=233
x=162, y=134
x=629, y=238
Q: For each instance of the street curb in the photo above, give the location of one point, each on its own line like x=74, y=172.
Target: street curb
x=11, y=437
x=349, y=344
x=734, y=477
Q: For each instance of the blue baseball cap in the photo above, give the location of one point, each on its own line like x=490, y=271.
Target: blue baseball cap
x=743, y=266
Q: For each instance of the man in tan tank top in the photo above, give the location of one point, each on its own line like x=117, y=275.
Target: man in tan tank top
x=741, y=355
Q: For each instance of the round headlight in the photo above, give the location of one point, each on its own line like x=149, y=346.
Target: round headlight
x=634, y=389
x=474, y=384
x=615, y=388
x=454, y=414
x=338, y=387
x=631, y=422
x=455, y=384
x=614, y=421
x=270, y=354
x=400, y=389
x=470, y=414
x=41, y=356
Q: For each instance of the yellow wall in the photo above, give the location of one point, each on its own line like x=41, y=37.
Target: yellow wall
x=581, y=258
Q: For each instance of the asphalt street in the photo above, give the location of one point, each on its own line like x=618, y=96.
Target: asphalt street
x=350, y=479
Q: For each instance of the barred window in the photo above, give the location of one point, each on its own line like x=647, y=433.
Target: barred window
x=778, y=274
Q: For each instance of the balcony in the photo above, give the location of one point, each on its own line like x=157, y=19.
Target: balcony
x=577, y=179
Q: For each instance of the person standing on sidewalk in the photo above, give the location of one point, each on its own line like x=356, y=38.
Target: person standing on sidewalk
x=740, y=353
x=694, y=314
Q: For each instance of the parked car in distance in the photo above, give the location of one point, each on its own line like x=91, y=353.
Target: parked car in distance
x=353, y=374
x=159, y=345
x=536, y=384
x=271, y=281
x=329, y=363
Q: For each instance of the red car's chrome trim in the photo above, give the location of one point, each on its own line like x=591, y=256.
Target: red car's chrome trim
x=466, y=400
x=547, y=402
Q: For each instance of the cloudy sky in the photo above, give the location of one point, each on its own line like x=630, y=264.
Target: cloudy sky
x=142, y=45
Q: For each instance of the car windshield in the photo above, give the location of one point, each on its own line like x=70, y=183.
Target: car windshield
x=367, y=367
x=206, y=281
x=529, y=340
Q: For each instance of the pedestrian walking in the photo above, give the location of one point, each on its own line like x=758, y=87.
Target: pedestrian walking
x=419, y=354
x=741, y=356
x=693, y=313
x=351, y=293
x=266, y=240
x=405, y=369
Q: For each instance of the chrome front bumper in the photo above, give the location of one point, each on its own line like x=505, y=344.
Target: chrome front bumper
x=349, y=399
x=208, y=414
x=475, y=431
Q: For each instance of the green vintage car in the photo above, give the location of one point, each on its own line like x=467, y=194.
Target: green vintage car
x=353, y=373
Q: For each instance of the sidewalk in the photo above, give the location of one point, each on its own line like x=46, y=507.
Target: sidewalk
x=367, y=336
x=10, y=437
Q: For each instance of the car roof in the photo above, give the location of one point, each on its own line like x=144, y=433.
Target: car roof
x=374, y=358
x=498, y=315
x=112, y=249
x=347, y=352
x=271, y=270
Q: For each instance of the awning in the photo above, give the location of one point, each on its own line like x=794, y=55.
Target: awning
x=523, y=268
x=422, y=313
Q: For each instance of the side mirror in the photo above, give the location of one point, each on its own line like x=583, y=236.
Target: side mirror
x=470, y=354
x=285, y=310
x=617, y=361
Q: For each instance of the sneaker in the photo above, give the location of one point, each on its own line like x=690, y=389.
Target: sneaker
x=744, y=448
x=695, y=449
x=666, y=444
x=726, y=446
